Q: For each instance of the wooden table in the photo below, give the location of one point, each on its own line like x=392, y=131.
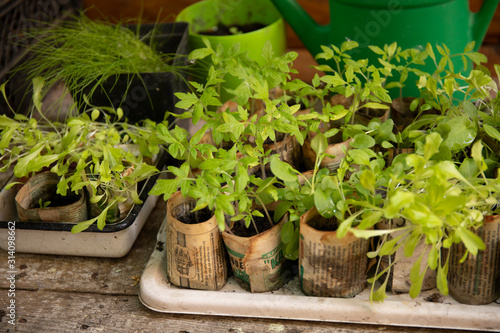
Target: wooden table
x=79, y=294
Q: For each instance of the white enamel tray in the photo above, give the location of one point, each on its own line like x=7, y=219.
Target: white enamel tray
x=289, y=302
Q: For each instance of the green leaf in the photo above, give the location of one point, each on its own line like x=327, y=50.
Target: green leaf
x=323, y=200
x=431, y=146
x=369, y=233
x=462, y=134
x=287, y=232
x=211, y=164
x=416, y=286
x=81, y=226
x=281, y=210
x=376, y=49
x=373, y=105
x=367, y=179
x=165, y=187
x=468, y=168
x=477, y=57
x=492, y=131
x=224, y=202
x=334, y=80
x=42, y=161
x=21, y=167
x=442, y=278
x=200, y=53
x=433, y=258
x=415, y=268
x=411, y=243
x=363, y=141
x=472, y=242
x=95, y=114
x=345, y=225
x=38, y=84
x=220, y=218
x=282, y=170
x=360, y=157
x=389, y=247
x=319, y=144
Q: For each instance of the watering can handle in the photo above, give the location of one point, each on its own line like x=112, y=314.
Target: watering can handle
x=481, y=21
x=310, y=33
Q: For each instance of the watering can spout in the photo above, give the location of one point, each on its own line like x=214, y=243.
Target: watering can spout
x=312, y=34
x=481, y=21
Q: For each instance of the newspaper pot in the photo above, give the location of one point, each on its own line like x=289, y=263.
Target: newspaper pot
x=43, y=186
x=257, y=262
x=288, y=148
x=399, y=278
x=116, y=212
x=146, y=95
x=195, y=254
x=328, y=266
x=337, y=150
x=477, y=280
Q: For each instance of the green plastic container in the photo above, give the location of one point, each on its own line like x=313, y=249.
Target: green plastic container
x=410, y=23
x=207, y=14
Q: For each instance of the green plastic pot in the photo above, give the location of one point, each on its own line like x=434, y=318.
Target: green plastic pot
x=410, y=23
x=207, y=14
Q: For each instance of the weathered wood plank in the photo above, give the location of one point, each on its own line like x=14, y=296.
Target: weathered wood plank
x=82, y=274
x=43, y=311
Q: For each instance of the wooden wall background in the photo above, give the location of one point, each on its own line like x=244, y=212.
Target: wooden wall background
x=166, y=10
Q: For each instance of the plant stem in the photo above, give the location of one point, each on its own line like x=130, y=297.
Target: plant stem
x=265, y=210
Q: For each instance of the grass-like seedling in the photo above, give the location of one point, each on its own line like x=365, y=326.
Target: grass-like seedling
x=83, y=53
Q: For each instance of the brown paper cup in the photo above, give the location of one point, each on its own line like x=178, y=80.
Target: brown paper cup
x=477, y=280
x=328, y=266
x=399, y=280
x=257, y=262
x=44, y=186
x=196, y=257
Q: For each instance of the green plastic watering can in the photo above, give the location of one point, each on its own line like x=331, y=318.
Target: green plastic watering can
x=410, y=23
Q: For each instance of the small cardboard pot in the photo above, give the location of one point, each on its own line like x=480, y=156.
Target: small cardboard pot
x=338, y=150
x=44, y=186
x=289, y=149
x=477, y=280
x=196, y=257
x=399, y=279
x=328, y=266
x=257, y=262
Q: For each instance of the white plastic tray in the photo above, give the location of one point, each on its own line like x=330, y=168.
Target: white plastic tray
x=289, y=302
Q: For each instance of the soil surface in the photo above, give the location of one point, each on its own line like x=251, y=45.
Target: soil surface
x=321, y=223
x=262, y=223
x=55, y=200
x=196, y=217
x=223, y=30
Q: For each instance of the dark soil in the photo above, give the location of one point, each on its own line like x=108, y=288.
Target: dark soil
x=223, y=30
x=240, y=229
x=56, y=200
x=196, y=217
x=321, y=223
